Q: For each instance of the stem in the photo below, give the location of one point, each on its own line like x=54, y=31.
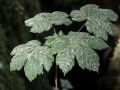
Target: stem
x=82, y=27
x=54, y=30
x=56, y=78
x=56, y=81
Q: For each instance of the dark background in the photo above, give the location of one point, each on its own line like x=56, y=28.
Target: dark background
x=13, y=32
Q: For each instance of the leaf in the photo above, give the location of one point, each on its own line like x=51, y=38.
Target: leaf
x=59, y=18
x=92, y=10
x=44, y=21
x=98, y=20
x=96, y=43
x=100, y=28
x=18, y=62
x=84, y=12
x=65, y=60
x=57, y=42
x=79, y=45
x=87, y=59
x=33, y=68
x=84, y=39
x=32, y=57
x=109, y=14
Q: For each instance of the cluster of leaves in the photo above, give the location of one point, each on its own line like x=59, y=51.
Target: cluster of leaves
x=35, y=57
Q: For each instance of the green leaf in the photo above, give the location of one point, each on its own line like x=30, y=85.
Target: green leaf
x=98, y=20
x=100, y=28
x=87, y=40
x=32, y=57
x=57, y=42
x=87, y=59
x=84, y=39
x=65, y=60
x=59, y=18
x=96, y=43
x=44, y=21
x=79, y=45
x=84, y=12
x=109, y=14
x=18, y=62
x=33, y=68
x=92, y=10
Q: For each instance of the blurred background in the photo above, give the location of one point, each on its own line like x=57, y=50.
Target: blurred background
x=13, y=32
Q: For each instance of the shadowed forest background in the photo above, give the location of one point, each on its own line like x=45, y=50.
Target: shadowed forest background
x=13, y=32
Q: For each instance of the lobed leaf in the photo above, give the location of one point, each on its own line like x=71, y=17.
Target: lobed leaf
x=98, y=20
x=100, y=28
x=65, y=60
x=87, y=59
x=57, y=42
x=79, y=45
x=44, y=21
x=76, y=45
x=32, y=57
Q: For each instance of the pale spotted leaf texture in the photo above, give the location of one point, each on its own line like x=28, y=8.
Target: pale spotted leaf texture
x=65, y=49
x=77, y=45
x=32, y=57
x=98, y=20
x=44, y=21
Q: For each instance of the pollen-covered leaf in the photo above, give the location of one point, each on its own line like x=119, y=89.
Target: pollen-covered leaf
x=96, y=43
x=87, y=59
x=32, y=57
x=98, y=21
x=65, y=60
x=82, y=50
x=59, y=18
x=33, y=68
x=84, y=12
x=44, y=21
x=57, y=42
x=79, y=45
x=92, y=10
x=99, y=27
x=18, y=62
x=109, y=14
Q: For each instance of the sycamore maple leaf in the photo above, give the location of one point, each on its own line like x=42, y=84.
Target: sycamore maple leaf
x=77, y=45
x=32, y=57
x=98, y=20
x=44, y=21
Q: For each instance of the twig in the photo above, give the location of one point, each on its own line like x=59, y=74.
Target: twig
x=54, y=30
x=56, y=81
x=82, y=27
